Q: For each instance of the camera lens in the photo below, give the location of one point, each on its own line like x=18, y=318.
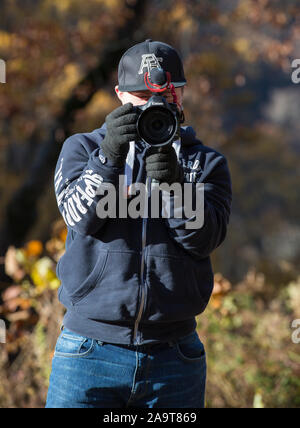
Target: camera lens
x=157, y=126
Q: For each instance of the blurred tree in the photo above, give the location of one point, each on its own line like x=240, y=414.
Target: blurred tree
x=239, y=98
x=21, y=211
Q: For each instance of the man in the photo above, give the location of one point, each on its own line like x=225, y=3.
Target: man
x=133, y=286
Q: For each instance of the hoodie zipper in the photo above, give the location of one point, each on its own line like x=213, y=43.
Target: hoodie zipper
x=143, y=285
x=144, y=237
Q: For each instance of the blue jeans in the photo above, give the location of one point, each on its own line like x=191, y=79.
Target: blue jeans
x=90, y=373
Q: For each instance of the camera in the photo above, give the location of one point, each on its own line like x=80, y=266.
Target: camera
x=158, y=121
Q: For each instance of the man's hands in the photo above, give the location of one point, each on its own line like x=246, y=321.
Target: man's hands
x=162, y=165
x=121, y=129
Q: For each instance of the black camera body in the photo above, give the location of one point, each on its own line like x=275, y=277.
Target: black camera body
x=158, y=121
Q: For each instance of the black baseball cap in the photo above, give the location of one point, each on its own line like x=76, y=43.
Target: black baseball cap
x=144, y=57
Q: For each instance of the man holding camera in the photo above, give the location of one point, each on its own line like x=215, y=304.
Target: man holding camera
x=133, y=286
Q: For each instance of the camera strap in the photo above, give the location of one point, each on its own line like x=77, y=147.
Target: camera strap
x=129, y=170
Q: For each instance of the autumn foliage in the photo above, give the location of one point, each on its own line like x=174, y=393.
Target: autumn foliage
x=241, y=101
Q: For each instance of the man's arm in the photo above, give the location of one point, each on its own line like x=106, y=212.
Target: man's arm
x=202, y=241
x=77, y=177
x=78, y=173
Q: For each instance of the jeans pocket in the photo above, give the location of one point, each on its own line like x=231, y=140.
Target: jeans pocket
x=190, y=349
x=70, y=344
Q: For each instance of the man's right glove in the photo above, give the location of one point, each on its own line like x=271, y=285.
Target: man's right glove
x=121, y=129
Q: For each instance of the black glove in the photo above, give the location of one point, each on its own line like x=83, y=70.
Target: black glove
x=121, y=129
x=162, y=165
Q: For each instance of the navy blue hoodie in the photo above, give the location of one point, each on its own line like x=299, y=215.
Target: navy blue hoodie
x=136, y=280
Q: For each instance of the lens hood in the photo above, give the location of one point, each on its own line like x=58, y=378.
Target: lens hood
x=157, y=122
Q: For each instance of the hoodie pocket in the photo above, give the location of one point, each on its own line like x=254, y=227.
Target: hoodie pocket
x=174, y=288
x=79, y=286
x=114, y=295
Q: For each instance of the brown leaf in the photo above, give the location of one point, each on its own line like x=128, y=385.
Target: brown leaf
x=221, y=285
x=18, y=316
x=12, y=267
x=11, y=305
x=33, y=248
x=11, y=292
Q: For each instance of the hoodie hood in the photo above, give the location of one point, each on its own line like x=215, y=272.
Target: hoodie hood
x=188, y=136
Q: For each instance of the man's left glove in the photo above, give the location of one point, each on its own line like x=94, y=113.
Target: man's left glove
x=162, y=165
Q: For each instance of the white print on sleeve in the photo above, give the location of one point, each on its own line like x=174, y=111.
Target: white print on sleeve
x=74, y=202
x=58, y=176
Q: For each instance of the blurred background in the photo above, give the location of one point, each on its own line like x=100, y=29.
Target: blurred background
x=61, y=67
